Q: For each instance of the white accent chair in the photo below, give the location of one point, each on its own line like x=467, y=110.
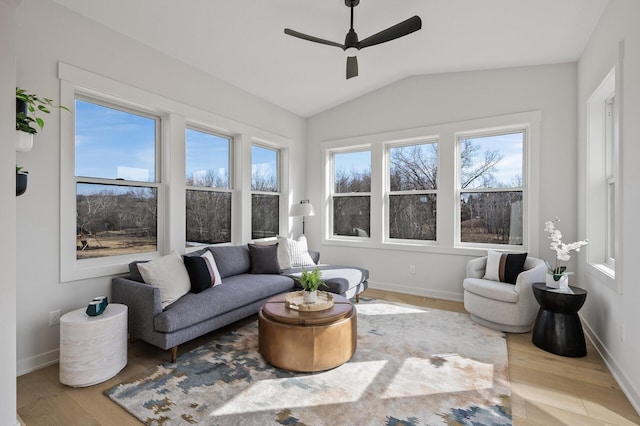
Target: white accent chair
x=503, y=306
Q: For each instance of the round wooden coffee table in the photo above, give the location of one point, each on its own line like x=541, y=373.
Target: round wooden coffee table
x=307, y=340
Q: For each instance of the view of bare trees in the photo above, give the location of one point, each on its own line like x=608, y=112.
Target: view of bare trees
x=414, y=170
x=208, y=210
x=265, y=202
x=115, y=220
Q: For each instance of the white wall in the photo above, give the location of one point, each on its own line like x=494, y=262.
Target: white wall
x=62, y=35
x=7, y=214
x=607, y=311
x=435, y=99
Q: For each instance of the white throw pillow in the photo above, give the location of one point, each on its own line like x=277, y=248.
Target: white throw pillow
x=213, y=268
x=299, y=252
x=283, y=254
x=492, y=271
x=169, y=275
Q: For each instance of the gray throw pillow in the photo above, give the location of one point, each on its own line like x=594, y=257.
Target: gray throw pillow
x=264, y=259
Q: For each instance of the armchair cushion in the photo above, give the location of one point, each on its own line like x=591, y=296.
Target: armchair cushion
x=504, y=267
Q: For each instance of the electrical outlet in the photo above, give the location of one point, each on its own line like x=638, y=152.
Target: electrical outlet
x=54, y=318
x=412, y=269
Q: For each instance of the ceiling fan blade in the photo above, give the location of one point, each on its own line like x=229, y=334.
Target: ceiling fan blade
x=399, y=30
x=312, y=38
x=352, y=66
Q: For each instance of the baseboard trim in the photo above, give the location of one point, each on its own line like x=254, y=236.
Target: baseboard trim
x=627, y=387
x=425, y=292
x=27, y=365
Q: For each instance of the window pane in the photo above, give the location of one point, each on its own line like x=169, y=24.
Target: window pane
x=114, y=220
x=114, y=144
x=208, y=217
x=265, y=213
x=412, y=217
x=352, y=172
x=264, y=169
x=207, y=160
x=491, y=161
x=413, y=167
x=491, y=217
x=351, y=216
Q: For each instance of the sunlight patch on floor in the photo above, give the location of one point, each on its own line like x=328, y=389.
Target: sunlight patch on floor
x=305, y=391
x=386, y=309
x=440, y=374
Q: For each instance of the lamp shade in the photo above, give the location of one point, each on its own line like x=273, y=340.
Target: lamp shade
x=302, y=209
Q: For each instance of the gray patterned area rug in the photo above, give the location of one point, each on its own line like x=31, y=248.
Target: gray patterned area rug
x=413, y=366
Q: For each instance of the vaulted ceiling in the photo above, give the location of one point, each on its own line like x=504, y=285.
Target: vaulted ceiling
x=243, y=43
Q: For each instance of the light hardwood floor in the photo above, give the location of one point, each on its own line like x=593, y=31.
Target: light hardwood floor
x=545, y=389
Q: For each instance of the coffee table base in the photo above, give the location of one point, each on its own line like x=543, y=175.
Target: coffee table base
x=307, y=348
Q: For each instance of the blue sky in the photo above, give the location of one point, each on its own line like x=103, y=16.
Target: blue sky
x=509, y=145
x=207, y=152
x=114, y=144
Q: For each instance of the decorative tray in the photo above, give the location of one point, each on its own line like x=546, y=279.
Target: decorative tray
x=295, y=301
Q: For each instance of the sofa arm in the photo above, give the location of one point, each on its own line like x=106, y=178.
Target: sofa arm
x=143, y=301
x=534, y=274
x=476, y=267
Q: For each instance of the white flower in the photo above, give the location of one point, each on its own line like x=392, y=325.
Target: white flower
x=562, y=250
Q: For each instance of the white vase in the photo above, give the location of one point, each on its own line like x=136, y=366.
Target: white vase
x=562, y=283
x=309, y=296
x=24, y=141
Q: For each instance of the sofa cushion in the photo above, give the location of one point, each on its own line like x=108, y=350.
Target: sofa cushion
x=504, y=267
x=237, y=291
x=299, y=252
x=264, y=259
x=169, y=275
x=283, y=255
x=231, y=260
x=490, y=289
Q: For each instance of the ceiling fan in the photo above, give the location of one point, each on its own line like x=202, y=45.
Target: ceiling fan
x=351, y=44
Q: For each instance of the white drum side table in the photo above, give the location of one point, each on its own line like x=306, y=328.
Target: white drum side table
x=92, y=349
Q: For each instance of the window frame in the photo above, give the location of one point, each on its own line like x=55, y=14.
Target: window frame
x=279, y=183
x=481, y=133
x=172, y=200
x=602, y=168
x=388, y=146
x=333, y=194
x=231, y=186
x=446, y=135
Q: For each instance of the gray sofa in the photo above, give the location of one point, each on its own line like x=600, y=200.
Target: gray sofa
x=240, y=295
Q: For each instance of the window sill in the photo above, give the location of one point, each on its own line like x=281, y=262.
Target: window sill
x=605, y=270
x=429, y=247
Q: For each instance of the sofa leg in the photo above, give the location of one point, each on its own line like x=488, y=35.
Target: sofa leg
x=174, y=353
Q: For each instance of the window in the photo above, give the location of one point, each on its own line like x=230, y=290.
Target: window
x=491, y=188
x=208, y=183
x=412, y=185
x=265, y=196
x=602, y=195
x=611, y=166
x=351, y=195
x=116, y=176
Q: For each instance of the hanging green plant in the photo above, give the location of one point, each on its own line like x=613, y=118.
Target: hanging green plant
x=29, y=110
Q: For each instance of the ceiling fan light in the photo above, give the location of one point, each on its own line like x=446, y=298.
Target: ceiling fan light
x=351, y=51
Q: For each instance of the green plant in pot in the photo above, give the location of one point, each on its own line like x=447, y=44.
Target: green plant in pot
x=30, y=108
x=310, y=282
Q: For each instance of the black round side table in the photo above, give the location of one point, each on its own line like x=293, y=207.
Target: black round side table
x=557, y=328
